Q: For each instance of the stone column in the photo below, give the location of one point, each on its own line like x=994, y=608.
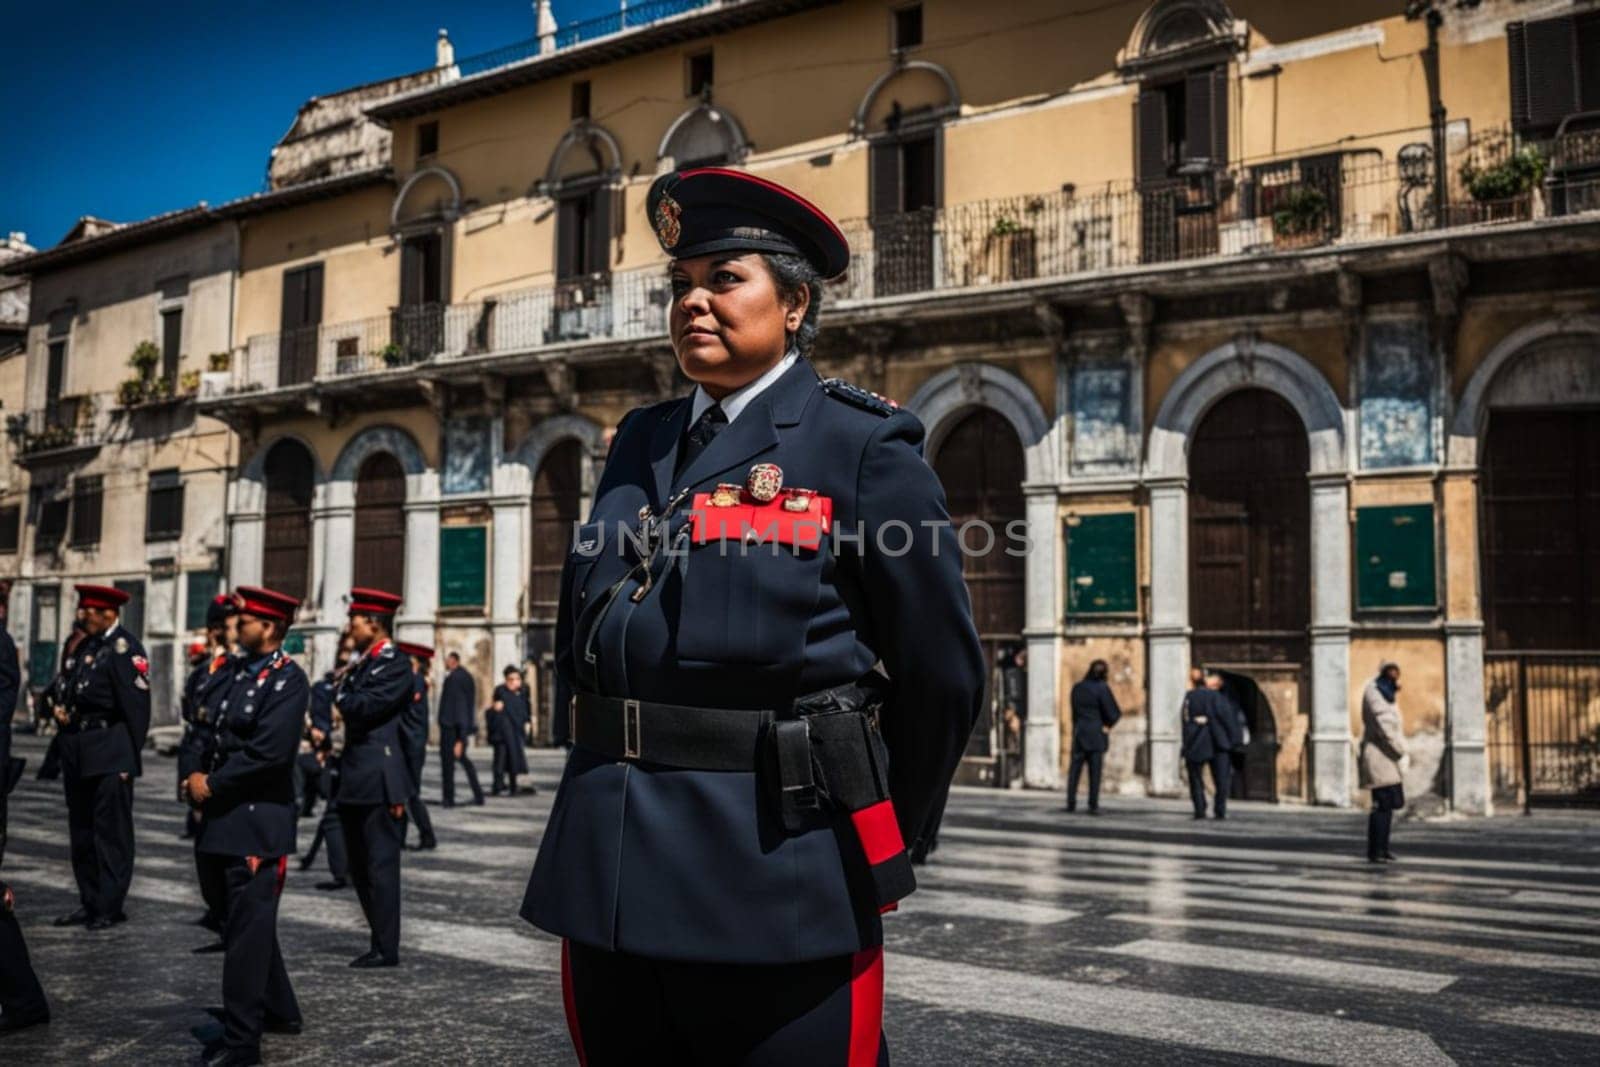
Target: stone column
x=420, y=609
x=1168, y=631
x=246, y=529
x=1330, y=640
x=512, y=484
x=1042, y=631
x=333, y=538
x=1465, y=713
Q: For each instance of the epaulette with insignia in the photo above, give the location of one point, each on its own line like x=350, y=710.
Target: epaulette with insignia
x=851, y=393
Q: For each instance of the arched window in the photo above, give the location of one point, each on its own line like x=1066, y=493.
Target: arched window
x=703, y=137
x=286, y=544
x=380, y=546
x=556, y=491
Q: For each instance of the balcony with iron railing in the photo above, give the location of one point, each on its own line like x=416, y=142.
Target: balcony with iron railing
x=1329, y=200
x=63, y=426
x=630, y=16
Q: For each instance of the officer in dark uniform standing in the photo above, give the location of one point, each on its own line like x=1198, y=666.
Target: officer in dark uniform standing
x=207, y=683
x=1208, y=738
x=54, y=696
x=414, y=735
x=246, y=800
x=1094, y=713
x=457, y=724
x=374, y=784
x=320, y=732
x=108, y=716
x=22, y=1002
x=729, y=826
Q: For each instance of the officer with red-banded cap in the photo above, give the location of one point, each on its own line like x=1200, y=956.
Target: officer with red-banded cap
x=245, y=796
x=107, y=719
x=414, y=737
x=729, y=826
x=374, y=782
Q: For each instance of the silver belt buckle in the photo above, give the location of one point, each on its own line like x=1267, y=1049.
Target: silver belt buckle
x=630, y=729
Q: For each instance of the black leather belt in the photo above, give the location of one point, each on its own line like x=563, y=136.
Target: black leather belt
x=80, y=726
x=698, y=739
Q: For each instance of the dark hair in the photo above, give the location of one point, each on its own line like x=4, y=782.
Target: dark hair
x=511, y=668
x=790, y=275
x=1098, y=671
x=453, y=653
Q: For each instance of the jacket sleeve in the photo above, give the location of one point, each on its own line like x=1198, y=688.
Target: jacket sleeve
x=385, y=689
x=133, y=700
x=321, y=701
x=1109, y=712
x=921, y=621
x=271, y=746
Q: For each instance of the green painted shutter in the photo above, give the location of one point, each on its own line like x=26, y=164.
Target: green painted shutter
x=1102, y=565
x=1395, y=557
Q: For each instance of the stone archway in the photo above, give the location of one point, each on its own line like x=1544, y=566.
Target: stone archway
x=1242, y=364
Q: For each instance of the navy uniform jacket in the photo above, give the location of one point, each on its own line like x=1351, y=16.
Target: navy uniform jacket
x=456, y=702
x=110, y=684
x=10, y=688
x=1216, y=734
x=693, y=865
x=321, y=705
x=371, y=698
x=414, y=721
x=1093, y=707
x=258, y=723
x=206, y=685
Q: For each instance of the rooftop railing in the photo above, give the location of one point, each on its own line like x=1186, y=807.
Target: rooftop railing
x=630, y=16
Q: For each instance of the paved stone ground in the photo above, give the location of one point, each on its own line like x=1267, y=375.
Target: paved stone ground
x=1136, y=937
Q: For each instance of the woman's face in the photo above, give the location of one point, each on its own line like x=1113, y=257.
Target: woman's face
x=728, y=322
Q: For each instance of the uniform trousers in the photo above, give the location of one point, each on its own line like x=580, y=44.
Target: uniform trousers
x=100, y=835
x=1096, y=761
x=373, y=837
x=255, y=984
x=329, y=830
x=448, y=736
x=21, y=996
x=416, y=808
x=1221, y=778
x=625, y=1009
x=213, y=885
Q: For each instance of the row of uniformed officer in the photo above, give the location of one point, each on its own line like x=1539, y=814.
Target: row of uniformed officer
x=106, y=719
x=374, y=782
x=246, y=800
x=205, y=686
x=22, y=1001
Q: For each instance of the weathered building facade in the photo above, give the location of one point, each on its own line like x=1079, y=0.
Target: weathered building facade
x=1273, y=322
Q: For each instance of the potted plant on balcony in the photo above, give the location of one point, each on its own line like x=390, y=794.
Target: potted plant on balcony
x=393, y=355
x=1009, y=248
x=189, y=382
x=131, y=392
x=145, y=358
x=1505, y=190
x=219, y=361
x=1301, y=218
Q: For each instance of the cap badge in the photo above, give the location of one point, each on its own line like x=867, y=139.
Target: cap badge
x=764, y=481
x=668, y=221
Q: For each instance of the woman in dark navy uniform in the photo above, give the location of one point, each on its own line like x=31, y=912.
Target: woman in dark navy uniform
x=768, y=549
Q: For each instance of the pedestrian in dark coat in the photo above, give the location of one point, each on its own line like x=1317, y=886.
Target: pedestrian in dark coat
x=1209, y=723
x=108, y=717
x=718, y=903
x=507, y=715
x=22, y=1000
x=414, y=736
x=458, y=699
x=374, y=783
x=246, y=799
x=1384, y=758
x=1094, y=713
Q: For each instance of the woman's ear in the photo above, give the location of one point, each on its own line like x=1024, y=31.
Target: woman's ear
x=796, y=312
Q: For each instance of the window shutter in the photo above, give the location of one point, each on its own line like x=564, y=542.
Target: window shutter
x=568, y=234
x=885, y=179
x=1588, y=45
x=1551, y=71
x=171, y=343
x=599, y=257
x=1150, y=144
x=1517, y=55
x=1197, y=116
x=411, y=267
x=313, y=295
x=1219, y=115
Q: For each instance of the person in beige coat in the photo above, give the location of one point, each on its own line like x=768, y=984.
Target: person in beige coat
x=1383, y=758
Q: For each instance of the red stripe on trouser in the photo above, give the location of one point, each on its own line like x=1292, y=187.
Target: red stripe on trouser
x=866, y=1006
x=283, y=871
x=570, y=1003
x=879, y=831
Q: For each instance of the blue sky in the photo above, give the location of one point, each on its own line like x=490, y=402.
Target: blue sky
x=126, y=110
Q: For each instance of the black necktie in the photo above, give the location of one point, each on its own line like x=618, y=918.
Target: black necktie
x=711, y=422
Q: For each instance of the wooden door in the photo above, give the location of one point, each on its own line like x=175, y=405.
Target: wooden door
x=557, y=495
x=380, y=526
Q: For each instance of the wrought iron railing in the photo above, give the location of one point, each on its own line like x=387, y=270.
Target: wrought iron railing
x=1542, y=726
x=630, y=16
x=70, y=422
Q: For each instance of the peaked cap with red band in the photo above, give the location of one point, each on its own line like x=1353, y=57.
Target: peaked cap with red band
x=100, y=596
x=222, y=605
x=702, y=210
x=419, y=651
x=265, y=603
x=373, y=602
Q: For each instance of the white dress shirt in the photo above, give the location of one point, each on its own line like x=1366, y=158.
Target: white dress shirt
x=740, y=398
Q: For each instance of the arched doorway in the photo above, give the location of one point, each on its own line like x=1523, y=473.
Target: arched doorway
x=286, y=542
x=557, y=497
x=380, y=524
x=980, y=463
x=1249, y=572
